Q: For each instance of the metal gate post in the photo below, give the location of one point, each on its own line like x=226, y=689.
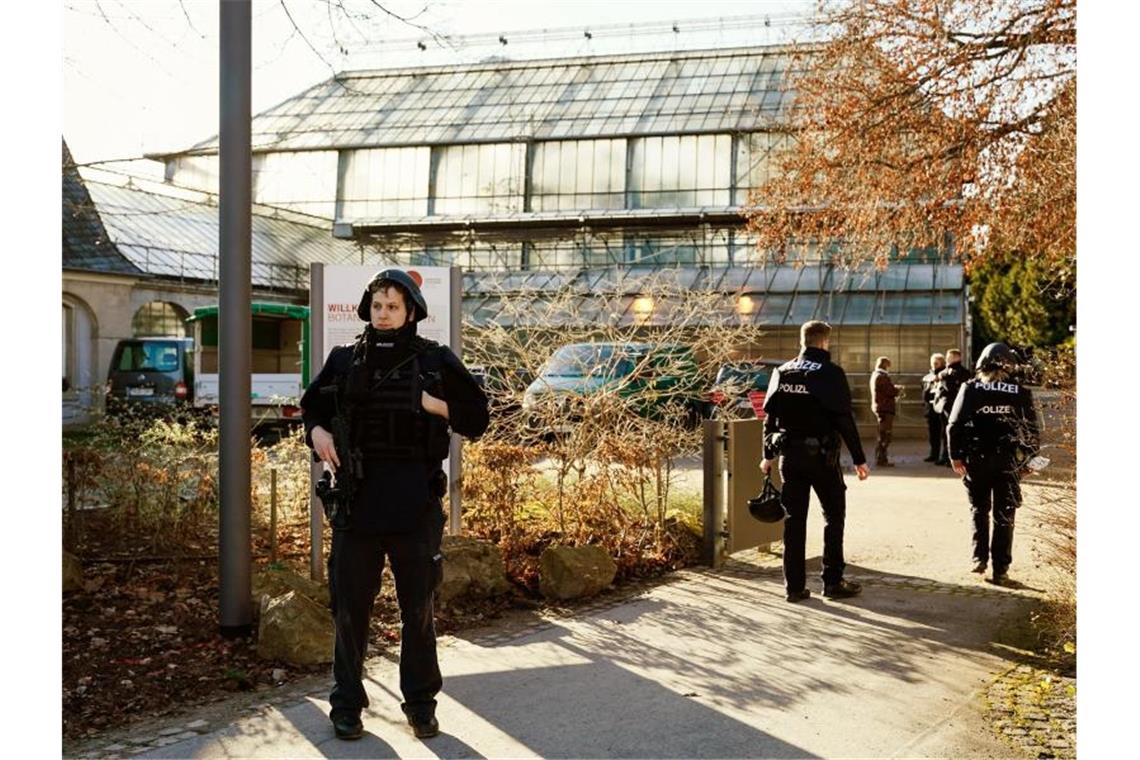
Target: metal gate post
x=715, y=438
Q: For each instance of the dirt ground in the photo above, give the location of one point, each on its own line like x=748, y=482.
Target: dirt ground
x=141, y=639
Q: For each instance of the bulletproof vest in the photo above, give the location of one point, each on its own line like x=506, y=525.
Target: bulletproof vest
x=997, y=417
x=388, y=418
x=805, y=394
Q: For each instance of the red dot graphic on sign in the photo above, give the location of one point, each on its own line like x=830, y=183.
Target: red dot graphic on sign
x=417, y=277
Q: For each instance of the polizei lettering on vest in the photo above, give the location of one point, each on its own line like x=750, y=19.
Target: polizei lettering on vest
x=1002, y=387
x=802, y=365
x=999, y=409
x=789, y=388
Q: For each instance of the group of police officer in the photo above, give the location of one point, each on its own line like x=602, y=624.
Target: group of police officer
x=984, y=427
x=380, y=413
x=939, y=389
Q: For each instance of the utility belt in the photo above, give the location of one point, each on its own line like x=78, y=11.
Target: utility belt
x=820, y=442
x=810, y=445
x=989, y=454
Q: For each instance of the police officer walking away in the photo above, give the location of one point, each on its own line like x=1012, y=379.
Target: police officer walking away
x=992, y=431
x=390, y=397
x=935, y=424
x=807, y=410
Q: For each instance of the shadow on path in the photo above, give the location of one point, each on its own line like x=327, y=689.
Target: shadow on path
x=597, y=708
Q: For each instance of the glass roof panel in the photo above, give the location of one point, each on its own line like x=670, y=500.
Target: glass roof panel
x=693, y=87
x=948, y=277
x=487, y=311
x=838, y=279
x=729, y=279
x=773, y=309
x=814, y=277
x=831, y=306
x=921, y=277
x=894, y=277
x=859, y=308
x=888, y=309
x=803, y=308
x=917, y=308
x=947, y=308
x=784, y=280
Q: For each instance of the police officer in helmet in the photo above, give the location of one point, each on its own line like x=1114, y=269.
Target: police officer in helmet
x=807, y=411
x=991, y=433
x=400, y=394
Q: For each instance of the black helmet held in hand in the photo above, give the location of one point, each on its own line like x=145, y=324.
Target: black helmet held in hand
x=399, y=278
x=766, y=506
x=997, y=356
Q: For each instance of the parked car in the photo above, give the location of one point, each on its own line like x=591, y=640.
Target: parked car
x=654, y=379
x=504, y=387
x=739, y=390
x=150, y=375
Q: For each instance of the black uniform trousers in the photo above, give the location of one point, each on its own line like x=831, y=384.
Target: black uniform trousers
x=355, y=564
x=944, y=446
x=993, y=485
x=803, y=468
x=936, y=432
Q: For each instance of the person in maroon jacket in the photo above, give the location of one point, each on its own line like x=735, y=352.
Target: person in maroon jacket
x=883, y=395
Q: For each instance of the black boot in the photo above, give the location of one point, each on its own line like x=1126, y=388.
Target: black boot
x=422, y=720
x=842, y=590
x=347, y=726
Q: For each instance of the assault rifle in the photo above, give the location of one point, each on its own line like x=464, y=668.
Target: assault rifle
x=337, y=492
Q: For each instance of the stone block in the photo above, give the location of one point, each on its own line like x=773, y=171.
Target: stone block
x=295, y=629
x=471, y=569
x=571, y=572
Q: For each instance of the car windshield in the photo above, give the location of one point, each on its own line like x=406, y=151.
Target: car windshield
x=588, y=360
x=149, y=356
x=749, y=376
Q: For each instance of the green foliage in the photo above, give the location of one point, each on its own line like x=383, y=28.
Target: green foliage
x=1018, y=301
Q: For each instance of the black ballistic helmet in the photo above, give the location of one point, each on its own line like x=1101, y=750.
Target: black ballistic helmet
x=393, y=277
x=766, y=506
x=997, y=356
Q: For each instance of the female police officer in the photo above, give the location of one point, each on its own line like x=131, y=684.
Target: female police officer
x=396, y=395
x=992, y=430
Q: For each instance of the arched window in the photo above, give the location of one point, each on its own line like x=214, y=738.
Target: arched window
x=69, y=372
x=158, y=318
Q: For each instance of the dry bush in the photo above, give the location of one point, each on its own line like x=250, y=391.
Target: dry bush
x=291, y=458
x=158, y=479
x=591, y=457
x=158, y=476
x=1058, y=497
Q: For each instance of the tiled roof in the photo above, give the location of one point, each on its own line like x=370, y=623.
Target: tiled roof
x=86, y=244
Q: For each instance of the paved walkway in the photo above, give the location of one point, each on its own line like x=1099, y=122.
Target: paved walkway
x=712, y=664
